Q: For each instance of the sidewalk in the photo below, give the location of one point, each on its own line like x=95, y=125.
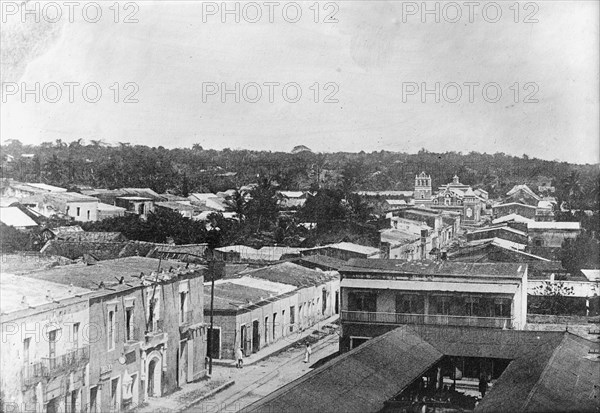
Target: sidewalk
x=224, y=370
x=292, y=340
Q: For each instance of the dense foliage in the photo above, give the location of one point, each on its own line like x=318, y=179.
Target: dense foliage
x=184, y=170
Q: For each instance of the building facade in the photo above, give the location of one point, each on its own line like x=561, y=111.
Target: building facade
x=379, y=295
x=267, y=305
x=45, y=346
x=146, y=328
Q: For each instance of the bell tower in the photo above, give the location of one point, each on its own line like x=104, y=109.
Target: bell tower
x=422, y=187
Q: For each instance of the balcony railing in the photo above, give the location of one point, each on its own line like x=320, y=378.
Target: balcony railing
x=436, y=319
x=52, y=366
x=134, y=334
x=155, y=327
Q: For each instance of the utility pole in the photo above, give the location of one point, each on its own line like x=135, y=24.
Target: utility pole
x=211, y=271
x=213, y=242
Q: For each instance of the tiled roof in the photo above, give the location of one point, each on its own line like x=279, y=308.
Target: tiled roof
x=435, y=268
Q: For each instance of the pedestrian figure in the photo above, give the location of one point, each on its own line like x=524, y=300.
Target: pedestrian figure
x=483, y=385
x=240, y=358
x=307, y=353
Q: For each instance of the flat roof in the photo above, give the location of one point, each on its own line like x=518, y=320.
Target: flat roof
x=14, y=217
x=554, y=225
x=108, y=272
x=436, y=268
x=18, y=293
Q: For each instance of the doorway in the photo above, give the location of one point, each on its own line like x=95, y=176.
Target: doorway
x=255, y=336
x=324, y=302
x=154, y=377
x=183, y=362
x=215, y=343
x=52, y=406
x=244, y=342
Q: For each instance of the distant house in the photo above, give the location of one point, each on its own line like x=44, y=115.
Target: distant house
x=300, y=149
x=77, y=206
x=514, y=208
x=291, y=199
x=552, y=234
x=185, y=210
x=502, y=231
x=401, y=244
x=20, y=190
x=523, y=195
x=209, y=200
x=137, y=205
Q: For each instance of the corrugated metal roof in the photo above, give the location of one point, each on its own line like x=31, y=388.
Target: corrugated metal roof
x=549, y=371
x=358, y=381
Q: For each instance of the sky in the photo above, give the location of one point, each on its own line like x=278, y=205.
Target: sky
x=359, y=75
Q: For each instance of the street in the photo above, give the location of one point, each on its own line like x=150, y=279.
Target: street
x=256, y=381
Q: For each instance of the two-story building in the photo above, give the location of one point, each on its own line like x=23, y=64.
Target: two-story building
x=146, y=327
x=45, y=345
x=379, y=295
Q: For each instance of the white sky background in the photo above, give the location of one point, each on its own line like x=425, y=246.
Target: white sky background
x=369, y=53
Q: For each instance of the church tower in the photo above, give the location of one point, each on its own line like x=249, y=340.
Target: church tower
x=422, y=187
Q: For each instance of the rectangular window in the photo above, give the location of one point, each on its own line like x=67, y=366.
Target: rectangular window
x=183, y=307
x=78, y=211
x=52, y=348
x=441, y=305
x=410, y=304
x=88, y=215
x=274, y=325
x=502, y=307
x=129, y=323
x=292, y=314
x=26, y=344
x=266, y=329
x=362, y=301
x=111, y=330
x=76, y=335
x=114, y=394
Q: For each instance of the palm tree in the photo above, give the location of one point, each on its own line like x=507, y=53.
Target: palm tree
x=572, y=189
